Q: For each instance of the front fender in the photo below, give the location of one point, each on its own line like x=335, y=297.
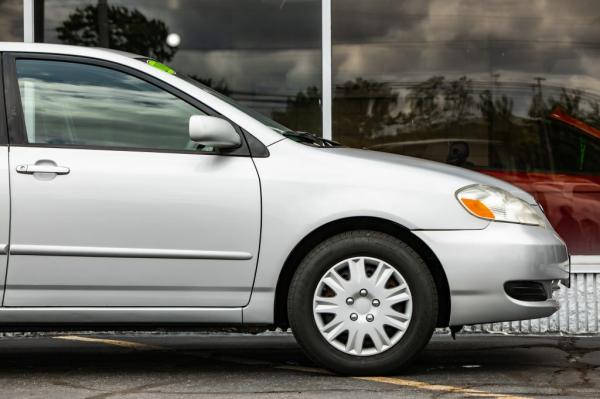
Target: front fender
x=304, y=188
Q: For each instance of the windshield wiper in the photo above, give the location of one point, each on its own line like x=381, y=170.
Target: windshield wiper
x=310, y=139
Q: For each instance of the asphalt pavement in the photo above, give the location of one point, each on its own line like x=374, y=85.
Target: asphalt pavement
x=186, y=365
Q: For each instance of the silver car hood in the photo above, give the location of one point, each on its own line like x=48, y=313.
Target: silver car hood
x=437, y=167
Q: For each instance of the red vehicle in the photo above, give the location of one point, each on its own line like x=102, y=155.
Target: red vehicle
x=569, y=189
x=557, y=159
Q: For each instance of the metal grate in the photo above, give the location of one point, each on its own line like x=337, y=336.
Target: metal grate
x=578, y=313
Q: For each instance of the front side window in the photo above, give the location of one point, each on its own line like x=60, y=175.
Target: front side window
x=68, y=103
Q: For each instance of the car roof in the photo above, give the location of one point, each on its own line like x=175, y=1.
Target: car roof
x=95, y=52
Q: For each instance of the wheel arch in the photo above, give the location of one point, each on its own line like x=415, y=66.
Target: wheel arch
x=360, y=223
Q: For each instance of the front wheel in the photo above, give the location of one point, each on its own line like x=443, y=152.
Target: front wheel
x=362, y=302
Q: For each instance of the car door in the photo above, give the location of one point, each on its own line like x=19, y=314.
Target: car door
x=112, y=204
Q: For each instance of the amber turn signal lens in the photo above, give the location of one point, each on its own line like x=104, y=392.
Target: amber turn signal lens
x=478, y=208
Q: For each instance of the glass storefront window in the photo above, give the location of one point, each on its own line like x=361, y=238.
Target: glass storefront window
x=502, y=87
x=11, y=20
x=266, y=54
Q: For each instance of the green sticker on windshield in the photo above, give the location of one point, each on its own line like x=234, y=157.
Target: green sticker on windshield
x=161, y=66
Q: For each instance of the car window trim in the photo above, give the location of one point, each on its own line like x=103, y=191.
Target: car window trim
x=16, y=128
x=3, y=117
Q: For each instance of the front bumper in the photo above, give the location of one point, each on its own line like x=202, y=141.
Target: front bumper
x=479, y=262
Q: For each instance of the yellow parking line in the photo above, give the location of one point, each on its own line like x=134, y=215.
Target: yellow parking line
x=439, y=388
x=466, y=392
x=113, y=342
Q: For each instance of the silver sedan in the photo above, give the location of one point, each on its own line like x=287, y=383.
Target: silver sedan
x=133, y=195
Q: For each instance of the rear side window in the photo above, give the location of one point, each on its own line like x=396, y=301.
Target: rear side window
x=68, y=103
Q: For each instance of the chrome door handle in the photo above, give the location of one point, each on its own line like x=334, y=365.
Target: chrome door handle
x=31, y=169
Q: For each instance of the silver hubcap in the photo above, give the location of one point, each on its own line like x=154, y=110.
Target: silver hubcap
x=362, y=306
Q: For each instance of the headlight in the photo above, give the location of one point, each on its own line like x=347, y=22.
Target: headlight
x=493, y=203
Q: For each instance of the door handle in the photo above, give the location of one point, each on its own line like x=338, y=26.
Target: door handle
x=31, y=169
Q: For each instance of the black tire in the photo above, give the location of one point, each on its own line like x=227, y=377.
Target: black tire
x=362, y=243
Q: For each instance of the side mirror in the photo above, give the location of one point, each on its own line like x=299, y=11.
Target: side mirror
x=214, y=132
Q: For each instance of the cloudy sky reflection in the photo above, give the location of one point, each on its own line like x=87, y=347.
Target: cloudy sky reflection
x=264, y=46
x=11, y=20
x=412, y=40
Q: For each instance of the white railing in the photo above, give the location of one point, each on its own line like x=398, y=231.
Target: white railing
x=578, y=314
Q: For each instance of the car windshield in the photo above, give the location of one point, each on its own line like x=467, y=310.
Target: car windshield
x=265, y=120
x=301, y=137
x=277, y=127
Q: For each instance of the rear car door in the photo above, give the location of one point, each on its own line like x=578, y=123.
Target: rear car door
x=112, y=204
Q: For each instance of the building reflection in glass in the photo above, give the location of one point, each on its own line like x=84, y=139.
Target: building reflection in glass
x=11, y=20
x=508, y=88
